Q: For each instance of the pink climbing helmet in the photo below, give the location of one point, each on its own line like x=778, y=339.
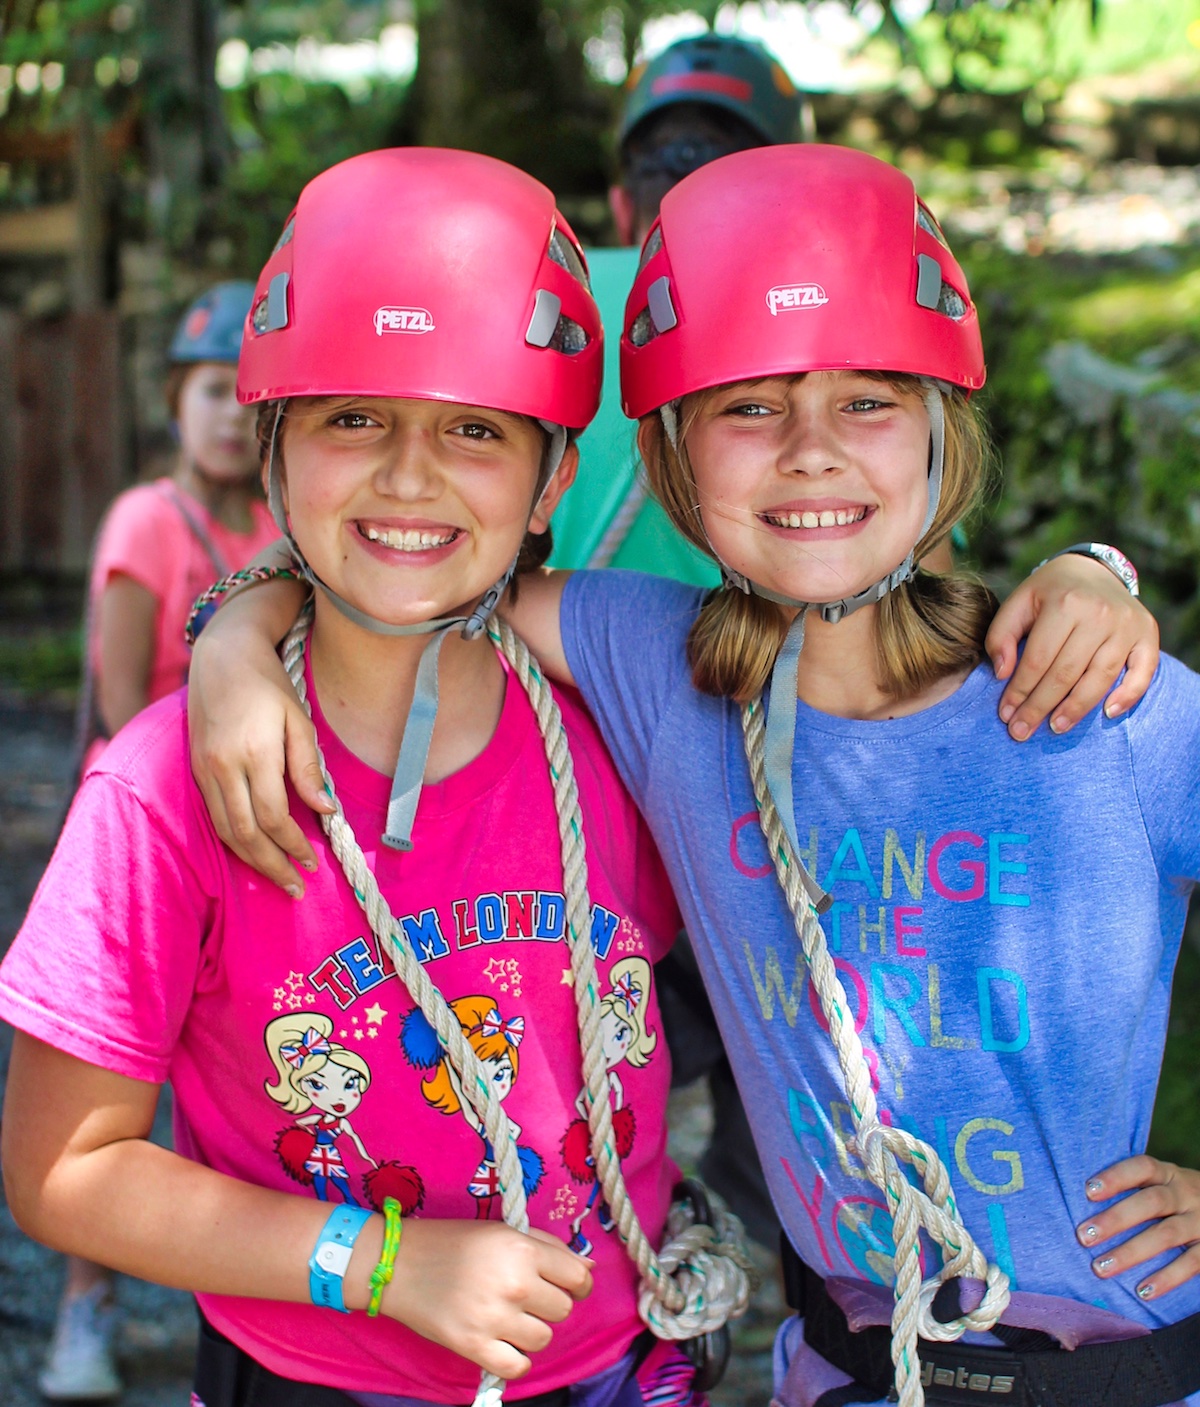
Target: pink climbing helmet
x=794, y=258
x=439, y=275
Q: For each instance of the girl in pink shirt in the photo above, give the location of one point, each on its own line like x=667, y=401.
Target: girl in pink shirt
x=423, y=347
x=163, y=543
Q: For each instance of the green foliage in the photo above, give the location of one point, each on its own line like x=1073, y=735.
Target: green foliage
x=286, y=131
x=1175, y=1133
x=1133, y=476
x=41, y=662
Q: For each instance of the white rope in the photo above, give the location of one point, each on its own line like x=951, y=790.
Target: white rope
x=622, y=523
x=701, y=1278
x=881, y=1147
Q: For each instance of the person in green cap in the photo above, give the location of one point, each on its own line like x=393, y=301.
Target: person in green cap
x=701, y=99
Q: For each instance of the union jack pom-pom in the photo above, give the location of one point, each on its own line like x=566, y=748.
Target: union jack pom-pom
x=397, y=1180
x=294, y=1147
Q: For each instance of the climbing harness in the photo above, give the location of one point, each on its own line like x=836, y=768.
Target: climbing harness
x=1085, y=1357
x=701, y=1277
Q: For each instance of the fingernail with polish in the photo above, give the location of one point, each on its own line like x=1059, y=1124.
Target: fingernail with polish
x=1146, y=1291
x=1095, y=1187
x=309, y=865
x=1089, y=1233
x=293, y=891
x=1105, y=1263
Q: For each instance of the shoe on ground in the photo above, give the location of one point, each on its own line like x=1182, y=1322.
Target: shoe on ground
x=80, y=1365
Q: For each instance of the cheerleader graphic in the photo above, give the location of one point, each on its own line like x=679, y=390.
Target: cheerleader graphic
x=496, y=1040
x=324, y=1082
x=625, y=1038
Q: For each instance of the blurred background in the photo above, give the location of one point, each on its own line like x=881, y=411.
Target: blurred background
x=151, y=148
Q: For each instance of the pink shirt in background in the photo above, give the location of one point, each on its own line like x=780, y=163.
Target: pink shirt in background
x=147, y=538
x=153, y=952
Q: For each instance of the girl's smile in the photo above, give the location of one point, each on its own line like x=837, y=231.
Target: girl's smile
x=813, y=486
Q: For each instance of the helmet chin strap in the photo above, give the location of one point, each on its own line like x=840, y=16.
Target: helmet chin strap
x=418, y=728
x=780, y=735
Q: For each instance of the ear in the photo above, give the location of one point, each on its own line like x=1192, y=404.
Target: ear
x=644, y=432
x=560, y=481
x=620, y=202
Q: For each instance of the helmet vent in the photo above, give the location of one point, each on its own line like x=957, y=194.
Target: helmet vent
x=652, y=246
x=550, y=327
x=951, y=303
x=289, y=231
x=926, y=221
x=569, y=338
x=566, y=256
x=643, y=329
x=271, y=311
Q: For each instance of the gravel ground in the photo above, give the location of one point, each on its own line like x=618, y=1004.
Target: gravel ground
x=158, y=1325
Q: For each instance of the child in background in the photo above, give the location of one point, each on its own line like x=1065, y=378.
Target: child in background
x=799, y=346
x=416, y=418
x=161, y=544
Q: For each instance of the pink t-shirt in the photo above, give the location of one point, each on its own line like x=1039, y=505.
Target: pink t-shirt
x=146, y=537
x=153, y=952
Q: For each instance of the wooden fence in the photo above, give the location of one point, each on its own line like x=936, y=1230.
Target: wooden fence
x=62, y=445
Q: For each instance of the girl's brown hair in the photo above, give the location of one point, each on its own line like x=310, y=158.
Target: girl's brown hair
x=928, y=628
x=535, y=548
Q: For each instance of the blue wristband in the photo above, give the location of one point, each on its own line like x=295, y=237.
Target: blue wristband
x=331, y=1255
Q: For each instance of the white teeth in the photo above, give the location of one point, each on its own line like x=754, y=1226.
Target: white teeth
x=827, y=518
x=409, y=539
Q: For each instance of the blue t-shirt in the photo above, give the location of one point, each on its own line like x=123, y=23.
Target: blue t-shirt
x=1006, y=924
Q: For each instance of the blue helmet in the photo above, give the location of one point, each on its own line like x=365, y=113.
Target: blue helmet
x=211, y=329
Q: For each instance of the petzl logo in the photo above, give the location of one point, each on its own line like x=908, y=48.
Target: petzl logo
x=402, y=320
x=795, y=295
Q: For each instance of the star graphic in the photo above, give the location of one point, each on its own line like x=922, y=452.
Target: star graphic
x=372, y=1031
x=343, y=1034
x=566, y=980
x=354, y=1020
x=310, y=998
x=358, y=1034
x=278, y=994
x=375, y=1015
x=494, y=970
x=504, y=986
x=512, y=965
x=295, y=980
x=293, y=1002
x=278, y=1006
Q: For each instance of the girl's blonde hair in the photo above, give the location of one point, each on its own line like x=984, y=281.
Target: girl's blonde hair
x=928, y=628
x=629, y=998
x=295, y=1053
x=474, y=1016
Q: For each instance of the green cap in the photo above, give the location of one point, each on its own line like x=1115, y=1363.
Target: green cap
x=738, y=75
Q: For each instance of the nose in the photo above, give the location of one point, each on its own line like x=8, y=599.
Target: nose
x=408, y=469
x=808, y=441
